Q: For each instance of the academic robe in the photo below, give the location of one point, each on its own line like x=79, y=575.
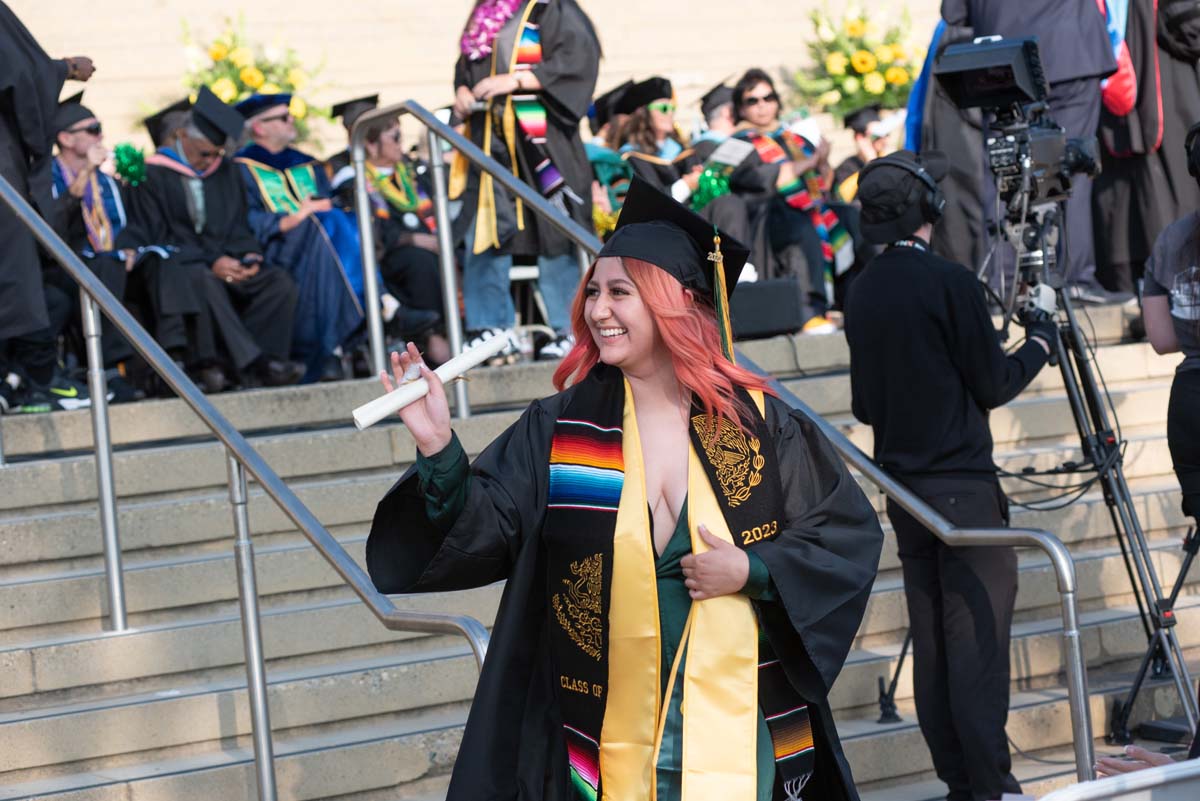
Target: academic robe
x=107, y=265
x=320, y=254
x=567, y=72
x=29, y=85
x=1145, y=185
x=193, y=308
x=822, y=565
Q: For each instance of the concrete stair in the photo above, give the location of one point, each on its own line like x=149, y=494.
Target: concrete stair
x=362, y=713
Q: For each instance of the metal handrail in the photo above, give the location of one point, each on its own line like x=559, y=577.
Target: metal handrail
x=1178, y=782
x=586, y=242
x=242, y=457
x=947, y=532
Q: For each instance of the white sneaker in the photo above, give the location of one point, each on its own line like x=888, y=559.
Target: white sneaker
x=508, y=355
x=556, y=348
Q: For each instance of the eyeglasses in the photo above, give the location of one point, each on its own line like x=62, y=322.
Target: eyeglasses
x=394, y=136
x=662, y=107
x=94, y=129
x=284, y=117
x=754, y=100
x=210, y=154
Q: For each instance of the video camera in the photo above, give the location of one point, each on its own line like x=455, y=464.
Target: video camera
x=1031, y=156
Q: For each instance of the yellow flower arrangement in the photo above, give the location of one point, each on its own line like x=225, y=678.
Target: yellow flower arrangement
x=225, y=89
x=863, y=62
x=856, y=61
x=239, y=67
x=241, y=57
x=252, y=77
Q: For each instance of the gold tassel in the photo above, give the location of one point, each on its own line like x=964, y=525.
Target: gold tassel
x=721, y=297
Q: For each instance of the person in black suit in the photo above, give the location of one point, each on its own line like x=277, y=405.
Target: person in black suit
x=1076, y=56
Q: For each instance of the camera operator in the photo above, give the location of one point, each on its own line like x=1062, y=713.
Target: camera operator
x=1076, y=55
x=925, y=368
x=1171, y=309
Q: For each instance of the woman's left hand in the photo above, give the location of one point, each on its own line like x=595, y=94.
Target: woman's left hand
x=493, y=85
x=721, y=570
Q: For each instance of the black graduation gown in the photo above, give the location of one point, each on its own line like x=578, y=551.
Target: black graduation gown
x=29, y=85
x=823, y=565
x=1144, y=187
x=570, y=63
x=192, y=307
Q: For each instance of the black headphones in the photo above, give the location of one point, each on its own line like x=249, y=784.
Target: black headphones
x=933, y=201
x=1193, y=151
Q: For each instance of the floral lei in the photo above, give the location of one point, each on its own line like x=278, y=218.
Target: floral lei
x=486, y=21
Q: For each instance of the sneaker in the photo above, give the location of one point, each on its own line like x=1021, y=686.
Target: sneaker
x=69, y=393
x=36, y=400
x=512, y=349
x=8, y=394
x=556, y=348
x=1096, y=295
x=819, y=325
x=120, y=390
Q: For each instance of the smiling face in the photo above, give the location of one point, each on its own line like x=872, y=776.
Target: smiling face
x=620, y=322
x=662, y=117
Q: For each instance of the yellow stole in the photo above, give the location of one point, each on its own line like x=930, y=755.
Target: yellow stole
x=720, y=691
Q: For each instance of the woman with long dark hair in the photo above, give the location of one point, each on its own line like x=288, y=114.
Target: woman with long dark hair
x=672, y=537
x=523, y=81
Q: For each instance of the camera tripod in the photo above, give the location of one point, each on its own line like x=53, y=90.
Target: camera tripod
x=1035, y=238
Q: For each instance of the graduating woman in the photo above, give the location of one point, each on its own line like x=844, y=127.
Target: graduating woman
x=522, y=83
x=672, y=538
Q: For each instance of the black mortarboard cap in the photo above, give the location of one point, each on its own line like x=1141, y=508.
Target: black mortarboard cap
x=890, y=190
x=603, y=106
x=714, y=98
x=159, y=124
x=70, y=112
x=351, y=110
x=654, y=227
x=858, y=119
x=257, y=103
x=216, y=120
x=642, y=93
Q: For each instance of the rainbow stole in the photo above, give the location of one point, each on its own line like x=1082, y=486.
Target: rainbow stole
x=805, y=195
x=101, y=208
x=282, y=190
x=528, y=108
x=594, y=532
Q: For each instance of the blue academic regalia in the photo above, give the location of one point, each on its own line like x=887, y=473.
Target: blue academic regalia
x=319, y=254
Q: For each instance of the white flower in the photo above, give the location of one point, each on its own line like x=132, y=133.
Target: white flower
x=195, y=57
x=825, y=33
x=273, y=53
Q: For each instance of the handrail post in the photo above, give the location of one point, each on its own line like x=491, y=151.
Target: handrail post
x=256, y=673
x=370, y=264
x=441, y=207
x=585, y=259
x=102, y=440
x=1077, y=691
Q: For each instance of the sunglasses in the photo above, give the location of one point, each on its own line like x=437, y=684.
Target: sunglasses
x=662, y=107
x=754, y=100
x=284, y=117
x=94, y=129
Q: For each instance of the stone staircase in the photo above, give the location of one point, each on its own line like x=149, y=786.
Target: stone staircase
x=361, y=713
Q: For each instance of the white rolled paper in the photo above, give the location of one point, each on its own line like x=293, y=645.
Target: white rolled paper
x=371, y=413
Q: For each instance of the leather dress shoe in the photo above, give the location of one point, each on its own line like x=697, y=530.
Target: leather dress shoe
x=331, y=369
x=212, y=380
x=410, y=324
x=279, y=373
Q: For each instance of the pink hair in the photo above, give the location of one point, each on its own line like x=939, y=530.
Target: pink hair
x=688, y=328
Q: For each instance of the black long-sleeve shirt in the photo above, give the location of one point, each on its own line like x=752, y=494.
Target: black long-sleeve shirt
x=926, y=364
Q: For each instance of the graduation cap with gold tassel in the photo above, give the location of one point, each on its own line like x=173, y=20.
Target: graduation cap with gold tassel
x=657, y=229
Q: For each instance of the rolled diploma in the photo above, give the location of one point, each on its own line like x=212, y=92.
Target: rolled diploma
x=372, y=412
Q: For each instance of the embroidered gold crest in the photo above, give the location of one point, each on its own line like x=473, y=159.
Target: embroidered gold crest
x=578, y=607
x=738, y=460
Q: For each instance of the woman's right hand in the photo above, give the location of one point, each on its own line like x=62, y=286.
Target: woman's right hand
x=464, y=98
x=428, y=419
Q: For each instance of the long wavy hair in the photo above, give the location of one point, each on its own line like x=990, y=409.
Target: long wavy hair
x=638, y=130
x=688, y=327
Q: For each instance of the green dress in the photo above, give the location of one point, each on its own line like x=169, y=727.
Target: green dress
x=445, y=479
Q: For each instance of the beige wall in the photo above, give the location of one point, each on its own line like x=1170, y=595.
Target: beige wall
x=407, y=48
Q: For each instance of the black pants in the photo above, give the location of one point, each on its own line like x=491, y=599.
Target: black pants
x=1183, y=437
x=246, y=319
x=414, y=276
x=960, y=607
